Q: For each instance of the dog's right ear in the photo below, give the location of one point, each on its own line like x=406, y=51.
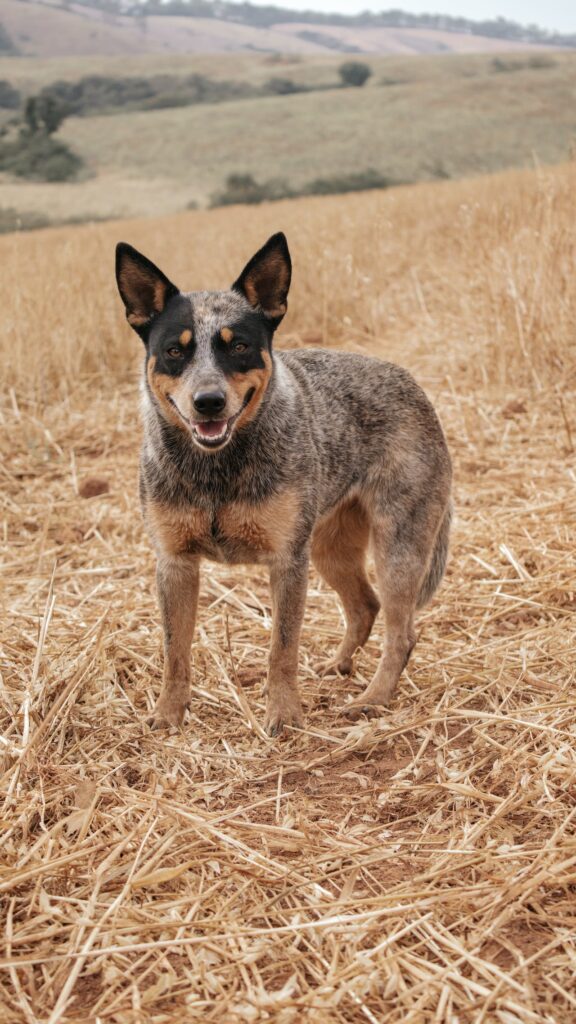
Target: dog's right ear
x=144, y=289
x=265, y=279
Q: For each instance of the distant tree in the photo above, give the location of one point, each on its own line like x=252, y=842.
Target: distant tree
x=43, y=114
x=39, y=157
x=31, y=125
x=282, y=86
x=28, y=148
x=6, y=44
x=9, y=96
x=354, y=72
x=244, y=189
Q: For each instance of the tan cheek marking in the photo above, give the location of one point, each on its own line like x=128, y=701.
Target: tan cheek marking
x=268, y=527
x=186, y=337
x=177, y=531
x=162, y=385
x=258, y=379
x=227, y=335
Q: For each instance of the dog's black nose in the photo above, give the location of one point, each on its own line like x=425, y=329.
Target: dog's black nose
x=209, y=402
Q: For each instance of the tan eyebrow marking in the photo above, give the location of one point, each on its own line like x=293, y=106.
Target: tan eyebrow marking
x=226, y=334
x=186, y=337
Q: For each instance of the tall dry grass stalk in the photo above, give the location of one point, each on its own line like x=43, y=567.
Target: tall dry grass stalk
x=415, y=869
x=473, y=277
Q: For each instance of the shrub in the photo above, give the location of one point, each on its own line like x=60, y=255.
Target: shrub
x=282, y=86
x=327, y=41
x=28, y=148
x=502, y=64
x=438, y=169
x=538, y=60
x=104, y=94
x=354, y=72
x=39, y=157
x=341, y=183
x=243, y=188
x=541, y=60
x=10, y=98
x=6, y=44
x=44, y=113
x=96, y=94
x=12, y=220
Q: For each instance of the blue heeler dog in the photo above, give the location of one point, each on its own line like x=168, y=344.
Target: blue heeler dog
x=279, y=458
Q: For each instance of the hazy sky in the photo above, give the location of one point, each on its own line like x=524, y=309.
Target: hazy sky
x=553, y=14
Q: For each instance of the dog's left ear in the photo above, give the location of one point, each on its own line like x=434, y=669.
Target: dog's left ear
x=265, y=280
x=144, y=289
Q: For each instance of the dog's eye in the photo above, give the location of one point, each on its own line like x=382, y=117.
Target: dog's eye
x=238, y=348
x=174, y=353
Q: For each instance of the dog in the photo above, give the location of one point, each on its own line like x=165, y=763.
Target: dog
x=281, y=458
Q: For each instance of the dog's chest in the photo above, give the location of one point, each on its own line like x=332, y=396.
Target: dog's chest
x=233, y=533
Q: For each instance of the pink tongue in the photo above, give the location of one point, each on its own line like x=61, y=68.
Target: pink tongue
x=211, y=428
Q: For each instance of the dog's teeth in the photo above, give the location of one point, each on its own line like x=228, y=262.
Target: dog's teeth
x=210, y=437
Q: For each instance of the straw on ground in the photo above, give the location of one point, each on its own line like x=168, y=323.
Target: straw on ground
x=416, y=868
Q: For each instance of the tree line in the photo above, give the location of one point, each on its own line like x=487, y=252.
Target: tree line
x=266, y=15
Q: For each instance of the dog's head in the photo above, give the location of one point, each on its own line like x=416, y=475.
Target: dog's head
x=208, y=354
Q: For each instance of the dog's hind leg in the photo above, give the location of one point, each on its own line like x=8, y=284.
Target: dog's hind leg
x=177, y=579
x=404, y=548
x=339, y=553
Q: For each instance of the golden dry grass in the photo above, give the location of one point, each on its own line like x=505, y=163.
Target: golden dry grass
x=416, y=868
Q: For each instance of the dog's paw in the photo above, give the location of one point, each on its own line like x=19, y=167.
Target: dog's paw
x=335, y=667
x=369, y=707
x=281, y=713
x=169, y=711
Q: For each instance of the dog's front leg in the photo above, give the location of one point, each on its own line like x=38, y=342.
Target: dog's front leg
x=177, y=579
x=288, y=582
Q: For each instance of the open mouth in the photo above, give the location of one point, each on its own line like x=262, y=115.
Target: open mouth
x=212, y=433
x=216, y=433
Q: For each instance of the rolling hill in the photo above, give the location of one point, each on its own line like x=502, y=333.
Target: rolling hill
x=47, y=30
x=435, y=117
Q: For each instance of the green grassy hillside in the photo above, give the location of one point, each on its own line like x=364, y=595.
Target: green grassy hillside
x=408, y=131
x=436, y=117
x=32, y=73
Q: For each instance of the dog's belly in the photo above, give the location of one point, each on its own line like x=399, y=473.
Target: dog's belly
x=238, y=533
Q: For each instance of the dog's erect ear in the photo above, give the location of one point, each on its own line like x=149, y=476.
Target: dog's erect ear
x=145, y=290
x=265, y=280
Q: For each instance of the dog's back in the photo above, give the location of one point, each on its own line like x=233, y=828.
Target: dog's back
x=366, y=417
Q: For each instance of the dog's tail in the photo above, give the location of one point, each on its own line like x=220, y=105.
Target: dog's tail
x=438, y=561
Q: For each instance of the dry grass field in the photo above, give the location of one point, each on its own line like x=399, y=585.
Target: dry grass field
x=416, y=868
